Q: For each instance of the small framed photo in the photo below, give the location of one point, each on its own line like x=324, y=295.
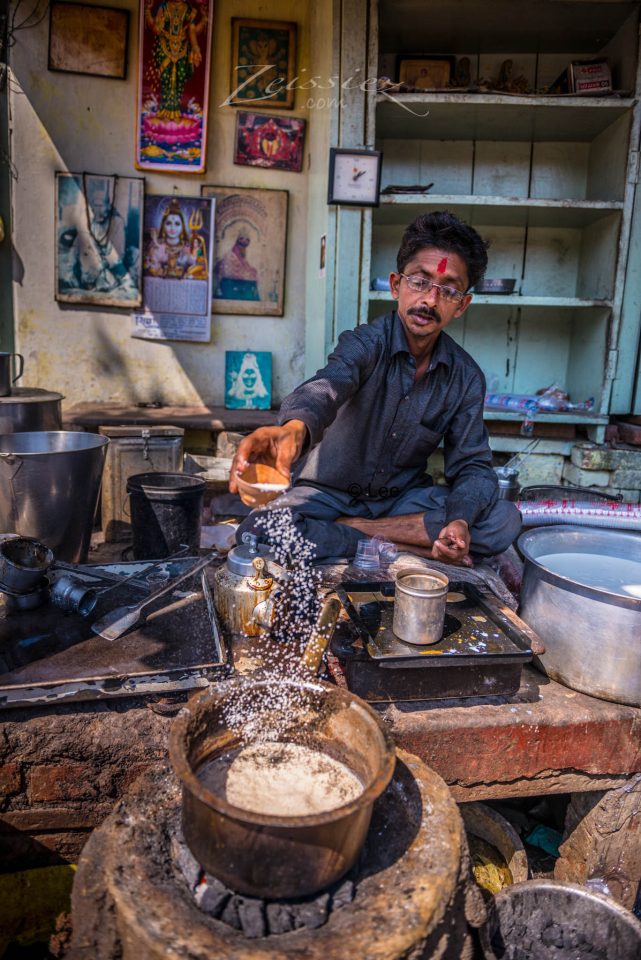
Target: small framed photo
x=98, y=249
x=263, y=141
x=426, y=73
x=88, y=40
x=248, y=380
x=354, y=177
x=251, y=247
x=263, y=61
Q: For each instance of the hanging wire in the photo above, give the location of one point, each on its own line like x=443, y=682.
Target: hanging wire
x=32, y=19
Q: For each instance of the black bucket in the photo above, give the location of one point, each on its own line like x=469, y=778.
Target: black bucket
x=541, y=919
x=166, y=511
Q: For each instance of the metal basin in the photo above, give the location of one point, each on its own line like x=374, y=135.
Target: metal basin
x=49, y=486
x=592, y=635
x=273, y=856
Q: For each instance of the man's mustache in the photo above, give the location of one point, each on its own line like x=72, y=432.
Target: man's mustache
x=428, y=313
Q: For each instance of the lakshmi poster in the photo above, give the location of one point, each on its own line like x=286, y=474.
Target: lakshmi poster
x=250, y=239
x=173, y=85
x=177, y=269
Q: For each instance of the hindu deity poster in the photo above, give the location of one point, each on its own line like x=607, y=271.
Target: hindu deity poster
x=250, y=240
x=177, y=269
x=248, y=380
x=173, y=85
x=263, y=141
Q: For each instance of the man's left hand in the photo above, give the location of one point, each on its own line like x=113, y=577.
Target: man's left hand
x=453, y=544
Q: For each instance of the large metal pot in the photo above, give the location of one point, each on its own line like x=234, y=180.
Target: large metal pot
x=272, y=856
x=49, y=486
x=592, y=635
x=28, y=409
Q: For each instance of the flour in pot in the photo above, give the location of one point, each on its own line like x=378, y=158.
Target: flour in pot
x=281, y=779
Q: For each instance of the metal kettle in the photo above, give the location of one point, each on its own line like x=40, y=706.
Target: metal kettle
x=244, y=585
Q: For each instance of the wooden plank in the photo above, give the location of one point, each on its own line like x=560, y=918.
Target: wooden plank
x=482, y=299
x=463, y=116
x=93, y=415
x=603, y=840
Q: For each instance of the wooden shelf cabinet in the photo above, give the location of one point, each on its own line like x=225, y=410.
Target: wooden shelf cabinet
x=549, y=181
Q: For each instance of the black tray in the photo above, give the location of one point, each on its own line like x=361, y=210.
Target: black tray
x=481, y=652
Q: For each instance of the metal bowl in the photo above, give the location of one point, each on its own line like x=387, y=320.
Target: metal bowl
x=491, y=285
x=279, y=856
x=592, y=633
x=23, y=564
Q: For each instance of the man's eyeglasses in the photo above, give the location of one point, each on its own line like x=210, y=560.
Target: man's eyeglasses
x=423, y=285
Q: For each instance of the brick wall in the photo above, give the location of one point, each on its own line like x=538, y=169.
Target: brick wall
x=63, y=768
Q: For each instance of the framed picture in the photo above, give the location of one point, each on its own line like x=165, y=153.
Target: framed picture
x=173, y=85
x=90, y=40
x=248, y=380
x=426, y=73
x=263, y=61
x=354, y=177
x=177, y=269
x=263, y=141
x=250, y=238
x=98, y=239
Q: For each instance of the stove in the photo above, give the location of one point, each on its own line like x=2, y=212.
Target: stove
x=47, y=655
x=140, y=893
x=481, y=652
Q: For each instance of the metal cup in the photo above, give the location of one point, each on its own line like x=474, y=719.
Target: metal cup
x=419, y=606
x=5, y=372
x=72, y=595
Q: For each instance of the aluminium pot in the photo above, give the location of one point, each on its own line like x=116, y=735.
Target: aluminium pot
x=28, y=409
x=49, y=486
x=592, y=635
x=263, y=855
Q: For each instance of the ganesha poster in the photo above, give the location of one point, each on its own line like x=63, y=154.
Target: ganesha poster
x=250, y=230
x=173, y=85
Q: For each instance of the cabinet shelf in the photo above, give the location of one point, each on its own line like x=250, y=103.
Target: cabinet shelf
x=401, y=208
x=466, y=116
x=514, y=300
x=567, y=416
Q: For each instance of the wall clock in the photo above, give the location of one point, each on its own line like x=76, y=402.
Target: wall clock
x=354, y=177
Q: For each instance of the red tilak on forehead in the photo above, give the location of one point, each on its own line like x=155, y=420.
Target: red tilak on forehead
x=442, y=266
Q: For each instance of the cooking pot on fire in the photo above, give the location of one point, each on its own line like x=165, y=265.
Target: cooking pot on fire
x=244, y=586
x=263, y=854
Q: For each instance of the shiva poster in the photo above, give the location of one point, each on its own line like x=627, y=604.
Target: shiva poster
x=248, y=380
x=98, y=239
x=177, y=269
x=250, y=241
x=173, y=85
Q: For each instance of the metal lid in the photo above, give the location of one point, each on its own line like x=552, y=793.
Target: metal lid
x=239, y=560
x=30, y=395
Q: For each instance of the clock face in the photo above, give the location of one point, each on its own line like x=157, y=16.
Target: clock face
x=356, y=178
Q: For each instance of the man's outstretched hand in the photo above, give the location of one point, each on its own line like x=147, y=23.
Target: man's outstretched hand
x=453, y=544
x=278, y=447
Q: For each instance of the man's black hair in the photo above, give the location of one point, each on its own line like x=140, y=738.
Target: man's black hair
x=443, y=230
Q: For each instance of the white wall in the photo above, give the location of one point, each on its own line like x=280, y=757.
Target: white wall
x=68, y=122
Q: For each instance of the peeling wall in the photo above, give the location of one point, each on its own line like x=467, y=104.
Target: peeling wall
x=63, y=121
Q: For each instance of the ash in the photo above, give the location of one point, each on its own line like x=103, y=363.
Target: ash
x=297, y=610
x=257, y=917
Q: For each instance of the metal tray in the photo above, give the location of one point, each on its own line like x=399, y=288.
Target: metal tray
x=481, y=653
x=47, y=655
